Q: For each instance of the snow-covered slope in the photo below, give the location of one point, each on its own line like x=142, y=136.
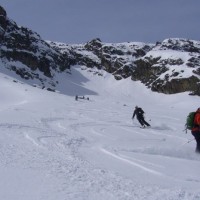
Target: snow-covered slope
x=53, y=147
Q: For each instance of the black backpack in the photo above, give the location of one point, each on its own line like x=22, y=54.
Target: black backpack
x=140, y=111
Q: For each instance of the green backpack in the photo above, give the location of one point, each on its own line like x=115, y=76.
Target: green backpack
x=190, y=121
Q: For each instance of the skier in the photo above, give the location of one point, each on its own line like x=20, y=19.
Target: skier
x=81, y=97
x=140, y=116
x=196, y=129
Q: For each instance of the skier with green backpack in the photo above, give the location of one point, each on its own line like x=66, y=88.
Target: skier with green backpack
x=193, y=124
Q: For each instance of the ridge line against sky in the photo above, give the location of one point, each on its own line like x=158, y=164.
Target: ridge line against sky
x=78, y=21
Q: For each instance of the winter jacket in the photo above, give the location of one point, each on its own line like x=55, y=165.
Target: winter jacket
x=138, y=112
x=196, y=127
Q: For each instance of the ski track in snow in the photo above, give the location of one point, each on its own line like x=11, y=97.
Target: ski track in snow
x=54, y=137
x=76, y=151
x=131, y=162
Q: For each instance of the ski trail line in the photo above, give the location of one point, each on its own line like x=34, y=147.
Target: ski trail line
x=132, y=163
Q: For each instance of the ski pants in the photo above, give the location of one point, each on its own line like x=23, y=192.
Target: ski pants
x=141, y=120
x=196, y=135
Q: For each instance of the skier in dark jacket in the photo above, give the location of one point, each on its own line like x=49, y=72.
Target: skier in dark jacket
x=140, y=116
x=196, y=129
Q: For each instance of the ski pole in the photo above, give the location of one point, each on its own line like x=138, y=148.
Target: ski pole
x=190, y=140
x=185, y=130
x=187, y=142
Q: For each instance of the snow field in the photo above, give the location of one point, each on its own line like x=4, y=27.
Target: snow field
x=53, y=147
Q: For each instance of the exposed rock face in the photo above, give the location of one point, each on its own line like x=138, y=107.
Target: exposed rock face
x=24, y=52
x=171, y=67
x=3, y=22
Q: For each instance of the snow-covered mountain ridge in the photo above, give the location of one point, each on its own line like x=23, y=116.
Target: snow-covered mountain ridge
x=169, y=67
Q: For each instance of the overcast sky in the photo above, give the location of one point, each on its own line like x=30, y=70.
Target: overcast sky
x=79, y=21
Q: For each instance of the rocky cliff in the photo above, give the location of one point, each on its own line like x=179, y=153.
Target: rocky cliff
x=172, y=66
x=23, y=52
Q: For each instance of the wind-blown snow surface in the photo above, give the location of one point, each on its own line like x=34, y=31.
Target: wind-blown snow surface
x=53, y=147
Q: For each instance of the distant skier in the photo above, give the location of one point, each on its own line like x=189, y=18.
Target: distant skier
x=81, y=97
x=140, y=116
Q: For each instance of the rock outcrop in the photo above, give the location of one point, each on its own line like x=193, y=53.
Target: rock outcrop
x=171, y=67
x=27, y=54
